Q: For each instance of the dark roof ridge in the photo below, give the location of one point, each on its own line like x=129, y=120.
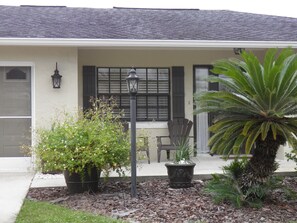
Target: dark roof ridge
x=45, y=6
x=115, y=7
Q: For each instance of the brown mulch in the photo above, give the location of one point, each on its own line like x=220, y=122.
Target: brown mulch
x=157, y=202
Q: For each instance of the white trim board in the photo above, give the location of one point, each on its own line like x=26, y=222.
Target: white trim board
x=144, y=43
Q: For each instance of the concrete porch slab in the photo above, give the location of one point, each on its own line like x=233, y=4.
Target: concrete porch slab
x=205, y=166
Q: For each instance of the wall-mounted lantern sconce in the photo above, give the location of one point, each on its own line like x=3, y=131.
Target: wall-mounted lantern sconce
x=238, y=51
x=56, y=78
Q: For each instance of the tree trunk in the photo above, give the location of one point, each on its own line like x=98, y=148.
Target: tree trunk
x=262, y=165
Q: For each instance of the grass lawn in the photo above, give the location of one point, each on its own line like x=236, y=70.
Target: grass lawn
x=43, y=212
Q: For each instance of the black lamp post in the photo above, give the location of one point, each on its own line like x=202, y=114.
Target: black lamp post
x=56, y=78
x=132, y=84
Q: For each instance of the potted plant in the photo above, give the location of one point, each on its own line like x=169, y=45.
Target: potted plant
x=85, y=145
x=181, y=170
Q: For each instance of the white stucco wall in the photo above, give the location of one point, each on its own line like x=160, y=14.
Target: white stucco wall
x=154, y=58
x=47, y=101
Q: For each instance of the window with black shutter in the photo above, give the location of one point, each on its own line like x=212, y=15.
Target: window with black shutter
x=178, y=92
x=153, y=98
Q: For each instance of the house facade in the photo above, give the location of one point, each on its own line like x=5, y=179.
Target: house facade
x=171, y=50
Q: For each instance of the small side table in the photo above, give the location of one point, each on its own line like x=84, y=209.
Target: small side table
x=144, y=147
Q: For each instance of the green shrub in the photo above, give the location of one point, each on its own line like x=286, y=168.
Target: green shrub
x=225, y=187
x=235, y=168
x=91, y=139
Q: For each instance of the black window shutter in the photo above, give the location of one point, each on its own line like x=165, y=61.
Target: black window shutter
x=178, y=92
x=89, y=85
x=213, y=86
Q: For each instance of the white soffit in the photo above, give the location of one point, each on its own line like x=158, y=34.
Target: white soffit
x=144, y=43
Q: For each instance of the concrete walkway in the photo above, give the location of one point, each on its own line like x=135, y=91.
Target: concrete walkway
x=13, y=189
x=14, y=186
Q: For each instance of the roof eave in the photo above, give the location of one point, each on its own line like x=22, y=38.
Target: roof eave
x=143, y=43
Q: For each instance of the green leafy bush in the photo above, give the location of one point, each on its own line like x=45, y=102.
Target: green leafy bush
x=225, y=188
x=91, y=139
x=235, y=168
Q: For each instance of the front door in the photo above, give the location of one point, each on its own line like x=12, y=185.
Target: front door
x=203, y=120
x=15, y=110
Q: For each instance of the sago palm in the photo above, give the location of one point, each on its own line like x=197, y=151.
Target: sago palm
x=257, y=110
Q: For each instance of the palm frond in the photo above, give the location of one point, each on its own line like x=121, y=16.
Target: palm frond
x=258, y=99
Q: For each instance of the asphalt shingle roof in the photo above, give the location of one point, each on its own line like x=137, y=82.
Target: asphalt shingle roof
x=152, y=24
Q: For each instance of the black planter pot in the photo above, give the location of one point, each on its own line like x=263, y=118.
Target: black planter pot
x=180, y=175
x=77, y=183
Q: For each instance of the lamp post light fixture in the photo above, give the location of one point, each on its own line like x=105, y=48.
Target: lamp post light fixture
x=132, y=85
x=56, y=78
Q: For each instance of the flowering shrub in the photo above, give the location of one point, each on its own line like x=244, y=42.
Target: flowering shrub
x=91, y=139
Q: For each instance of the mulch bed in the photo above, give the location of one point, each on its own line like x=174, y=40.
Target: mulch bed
x=157, y=202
